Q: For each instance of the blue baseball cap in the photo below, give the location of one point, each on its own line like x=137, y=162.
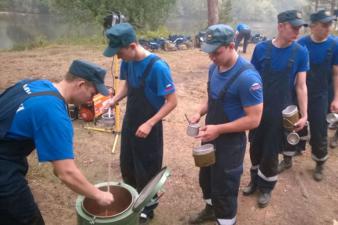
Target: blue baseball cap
x=322, y=16
x=90, y=72
x=294, y=17
x=119, y=36
x=216, y=36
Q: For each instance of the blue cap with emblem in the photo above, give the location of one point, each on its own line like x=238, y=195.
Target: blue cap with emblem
x=216, y=36
x=294, y=17
x=90, y=72
x=119, y=36
x=322, y=16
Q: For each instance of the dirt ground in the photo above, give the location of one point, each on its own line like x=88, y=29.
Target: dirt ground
x=296, y=200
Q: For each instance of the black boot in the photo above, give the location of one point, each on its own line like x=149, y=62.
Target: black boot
x=285, y=164
x=318, y=172
x=207, y=214
x=264, y=199
x=334, y=140
x=145, y=217
x=250, y=189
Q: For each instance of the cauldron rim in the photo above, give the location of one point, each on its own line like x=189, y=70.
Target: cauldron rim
x=112, y=216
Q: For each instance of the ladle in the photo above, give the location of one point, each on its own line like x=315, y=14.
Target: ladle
x=186, y=117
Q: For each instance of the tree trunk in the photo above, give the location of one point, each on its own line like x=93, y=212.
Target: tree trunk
x=333, y=6
x=316, y=5
x=212, y=12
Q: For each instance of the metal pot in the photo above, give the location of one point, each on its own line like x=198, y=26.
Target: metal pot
x=126, y=208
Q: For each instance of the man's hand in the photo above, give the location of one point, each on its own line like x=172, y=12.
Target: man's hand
x=104, y=198
x=208, y=133
x=144, y=130
x=109, y=104
x=334, y=106
x=300, y=124
x=195, y=118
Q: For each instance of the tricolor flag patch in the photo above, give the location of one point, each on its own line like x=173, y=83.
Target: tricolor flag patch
x=255, y=87
x=169, y=87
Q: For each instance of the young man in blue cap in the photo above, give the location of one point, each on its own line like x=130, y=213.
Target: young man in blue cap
x=282, y=64
x=151, y=96
x=34, y=114
x=234, y=105
x=323, y=51
x=243, y=31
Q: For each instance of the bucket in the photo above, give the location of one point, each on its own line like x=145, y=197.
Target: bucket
x=107, y=120
x=290, y=117
x=127, y=205
x=193, y=129
x=204, y=155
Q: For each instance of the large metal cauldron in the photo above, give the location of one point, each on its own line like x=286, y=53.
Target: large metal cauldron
x=126, y=208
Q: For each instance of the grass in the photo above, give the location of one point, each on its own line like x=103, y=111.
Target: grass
x=93, y=41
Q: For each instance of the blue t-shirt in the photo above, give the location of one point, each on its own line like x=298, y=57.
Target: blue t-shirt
x=158, y=83
x=279, y=59
x=318, y=51
x=245, y=91
x=45, y=120
x=242, y=26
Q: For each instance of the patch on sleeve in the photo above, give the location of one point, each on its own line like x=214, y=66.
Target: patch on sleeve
x=169, y=87
x=255, y=87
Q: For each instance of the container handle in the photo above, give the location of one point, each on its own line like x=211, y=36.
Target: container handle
x=160, y=195
x=92, y=220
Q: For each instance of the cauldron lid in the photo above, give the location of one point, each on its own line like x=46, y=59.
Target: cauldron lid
x=150, y=190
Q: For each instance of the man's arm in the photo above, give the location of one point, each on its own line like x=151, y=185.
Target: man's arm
x=69, y=174
x=122, y=93
x=250, y=121
x=334, y=104
x=201, y=111
x=169, y=104
x=301, y=90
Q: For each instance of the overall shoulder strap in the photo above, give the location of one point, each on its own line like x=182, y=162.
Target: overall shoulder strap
x=293, y=56
x=232, y=79
x=11, y=100
x=212, y=69
x=330, y=51
x=148, y=69
x=267, y=55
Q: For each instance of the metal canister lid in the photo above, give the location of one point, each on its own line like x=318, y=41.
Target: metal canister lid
x=150, y=190
x=203, y=149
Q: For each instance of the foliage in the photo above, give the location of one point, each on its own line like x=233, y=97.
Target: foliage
x=26, y=6
x=150, y=34
x=146, y=14
x=225, y=12
x=38, y=42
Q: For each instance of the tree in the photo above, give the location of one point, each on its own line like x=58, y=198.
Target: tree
x=333, y=6
x=225, y=12
x=212, y=12
x=141, y=13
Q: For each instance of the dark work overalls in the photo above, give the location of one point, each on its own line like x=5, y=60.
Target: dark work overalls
x=268, y=139
x=17, y=205
x=141, y=158
x=220, y=182
x=319, y=83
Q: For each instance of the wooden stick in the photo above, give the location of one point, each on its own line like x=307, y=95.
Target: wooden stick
x=302, y=187
x=115, y=142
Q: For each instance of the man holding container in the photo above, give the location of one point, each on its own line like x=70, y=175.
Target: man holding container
x=234, y=105
x=282, y=63
x=323, y=51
